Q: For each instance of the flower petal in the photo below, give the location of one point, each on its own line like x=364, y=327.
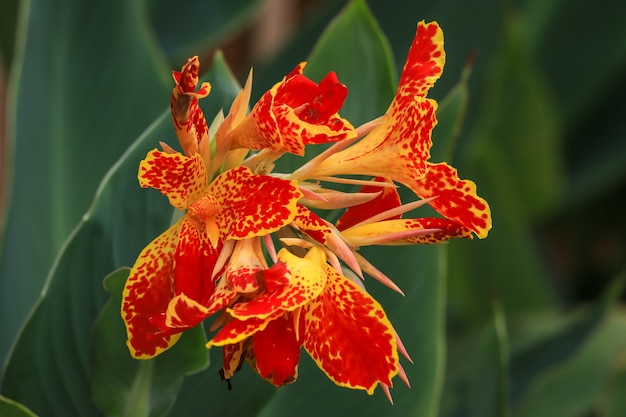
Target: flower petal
x=277, y=351
x=253, y=205
x=386, y=200
x=312, y=224
x=295, y=112
x=423, y=65
x=231, y=359
x=189, y=122
x=147, y=292
x=181, y=179
x=194, y=262
x=426, y=230
x=236, y=330
x=306, y=283
x=456, y=198
x=348, y=335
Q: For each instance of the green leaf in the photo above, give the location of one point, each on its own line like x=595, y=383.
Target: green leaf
x=194, y=27
x=125, y=387
x=550, y=360
x=9, y=408
x=49, y=369
x=489, y=375
x=85, y=83
x=450, y=117
x=356, y=49
x=561, y=392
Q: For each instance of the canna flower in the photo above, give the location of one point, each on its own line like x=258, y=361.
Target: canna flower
x=219, y=259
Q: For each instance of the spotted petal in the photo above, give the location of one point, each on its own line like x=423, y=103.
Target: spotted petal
x=253, y=205
x=147, y=292
x=456, y=198
x=406, y=232
x=189, y=122
x=348, y=335
x=181, y=179
x=307, y=279
x=296, y=112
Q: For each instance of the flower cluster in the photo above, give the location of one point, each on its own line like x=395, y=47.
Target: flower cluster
x=220, y=258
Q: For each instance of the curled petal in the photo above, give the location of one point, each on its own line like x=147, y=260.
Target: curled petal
x=235, y=331
x=185, y=313
x=294, y=113
x=189, y=122
x=348, y=335
x=146, y=294
x=232, y=357
x=253, y=205
x=307, y=279
x=456, y=198
x=181, y=179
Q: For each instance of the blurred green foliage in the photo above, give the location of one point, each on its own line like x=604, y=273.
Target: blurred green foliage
x=528, y=322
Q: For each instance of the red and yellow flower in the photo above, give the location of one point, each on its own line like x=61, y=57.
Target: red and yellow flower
x=219, y=259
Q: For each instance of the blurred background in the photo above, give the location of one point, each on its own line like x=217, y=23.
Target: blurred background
x=543, y=137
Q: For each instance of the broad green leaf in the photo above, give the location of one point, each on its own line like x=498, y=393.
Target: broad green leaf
x=489, y=375
x=355, y=48
x=551, y=356
x=196, y=26
x=125, y=387
x=49, y=369
x=9, y=408
x=572, y=388
x=515, y=162
x=85, y=82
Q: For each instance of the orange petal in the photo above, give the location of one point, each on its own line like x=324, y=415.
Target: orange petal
x=253, y=205
x=236, y=331
x=181, y=179
x=296, y=112
x=246, y=262
x=277, y=351
x=307, y=278
x=348, y=335
x=311, y=224
x=147, y=292
x=423, y=65
x=456, y=198
x=189, y=122
x=387, y=199
x=194, y=262
x=406, y=232
x=398, y=148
